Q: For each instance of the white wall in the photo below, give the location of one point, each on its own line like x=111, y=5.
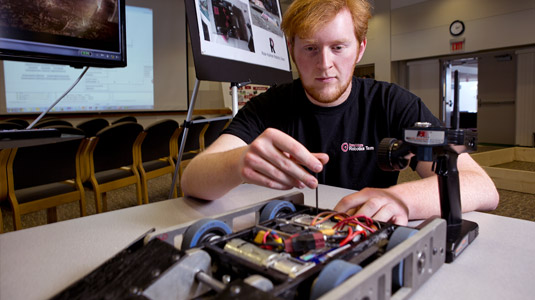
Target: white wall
x=378, y=47
x=419, y=31
x=422, y=30
x=423, y=76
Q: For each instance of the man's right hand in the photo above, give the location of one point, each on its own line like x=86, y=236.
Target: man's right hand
x=276, y=160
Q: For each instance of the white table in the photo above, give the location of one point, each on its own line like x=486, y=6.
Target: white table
x=38, y=262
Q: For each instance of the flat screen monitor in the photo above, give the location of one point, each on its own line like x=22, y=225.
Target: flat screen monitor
x=238, y=41
x=77, y=32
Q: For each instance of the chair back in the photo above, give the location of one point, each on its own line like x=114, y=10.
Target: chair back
x=44, y=164
x=19, y=121
x=157, y=140
x=114, y=147
x=125, y=119
x=52, y=122
x=68, y=130
x=92, y=126
x=5, y=125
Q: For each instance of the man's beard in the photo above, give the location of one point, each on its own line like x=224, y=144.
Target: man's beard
x=330, y=96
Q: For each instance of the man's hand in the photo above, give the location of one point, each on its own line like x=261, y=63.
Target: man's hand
x=378, y=204
x=276, y=160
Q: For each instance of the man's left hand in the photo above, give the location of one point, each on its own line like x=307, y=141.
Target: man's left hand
x=378, y=204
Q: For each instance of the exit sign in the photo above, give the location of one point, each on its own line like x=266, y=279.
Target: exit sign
x=457, y=45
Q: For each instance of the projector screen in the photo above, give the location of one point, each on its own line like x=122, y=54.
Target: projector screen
x=155, y=77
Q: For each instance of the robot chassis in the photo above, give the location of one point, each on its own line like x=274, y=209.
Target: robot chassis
x=292, y=251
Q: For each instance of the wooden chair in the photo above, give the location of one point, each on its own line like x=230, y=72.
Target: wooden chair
x=4, y=155
x=43, y=177
x=113, y=161
x=156, y=152
x=92, y=126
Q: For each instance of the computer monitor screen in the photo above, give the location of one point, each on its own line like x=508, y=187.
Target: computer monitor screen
x=32, y=87
x=75, y=32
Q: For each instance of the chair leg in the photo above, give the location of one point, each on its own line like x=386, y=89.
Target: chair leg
x=52, y=215
x=17, y=224
x=175, y=192
x=105, y=201
x=83, y=211
x=145, y=190
x=138, y=194
x=98, y=201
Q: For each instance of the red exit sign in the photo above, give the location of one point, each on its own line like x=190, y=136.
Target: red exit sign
x=456, y=45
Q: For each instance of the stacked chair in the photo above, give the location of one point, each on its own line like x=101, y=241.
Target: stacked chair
x=125, y=119
x=4, y=155
x=156, y=152
x=19, y=121
x=113, y=160
x=92, y=126
x=42, y=177
x=6, y=125
x=106, y=157
x=50, y=122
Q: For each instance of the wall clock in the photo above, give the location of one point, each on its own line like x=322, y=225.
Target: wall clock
x=456, y=28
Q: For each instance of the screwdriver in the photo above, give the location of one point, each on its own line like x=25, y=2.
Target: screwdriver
x=317, y=199
x=317, y=196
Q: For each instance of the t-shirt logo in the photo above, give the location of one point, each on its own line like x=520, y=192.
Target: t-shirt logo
x=355, y=147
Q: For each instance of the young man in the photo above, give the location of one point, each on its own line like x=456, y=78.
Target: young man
x=328, y=124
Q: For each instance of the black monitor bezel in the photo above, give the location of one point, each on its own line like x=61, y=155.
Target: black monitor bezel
x=74, y=61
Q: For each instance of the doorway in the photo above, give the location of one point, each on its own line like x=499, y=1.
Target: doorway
x=486, y=96
x=468, y=91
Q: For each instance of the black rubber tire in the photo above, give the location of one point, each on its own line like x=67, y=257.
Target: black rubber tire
x=197, y=232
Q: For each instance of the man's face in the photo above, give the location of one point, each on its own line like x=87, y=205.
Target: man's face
x=326, y=60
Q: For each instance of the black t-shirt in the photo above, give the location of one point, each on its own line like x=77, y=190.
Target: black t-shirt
x=349, y=133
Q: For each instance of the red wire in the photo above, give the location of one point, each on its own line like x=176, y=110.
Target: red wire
x=265, y=236
x=351, y=235
x=340, y=225
x=348, y=237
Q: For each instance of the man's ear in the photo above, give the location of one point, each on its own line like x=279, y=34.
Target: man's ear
x=362, y=48
x=290, y=49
